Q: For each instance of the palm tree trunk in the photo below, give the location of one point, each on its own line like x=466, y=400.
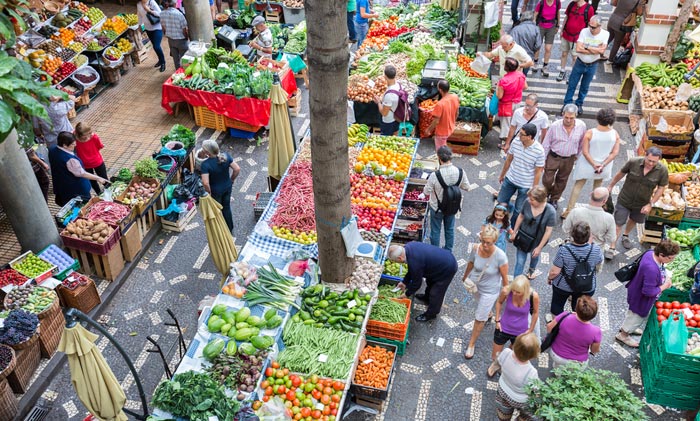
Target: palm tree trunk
x=328, y=58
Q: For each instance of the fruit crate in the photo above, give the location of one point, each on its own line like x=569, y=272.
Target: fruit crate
x=63, y=261
x=691, y=212
x=90, y=246
x=466, y=133
x=39, y=278
x=401, y=230
x=239, y=125
x=667, y=216
x=652, y=232
x=140, y=208
x=363, y=391
x=83, y=297
x=421, y=207
x=464, y=148
x=204, y=117
x=689, y=224
x=668, y=147
x=107, y=266
x=684, y=120
x=393, y=331
x=400, y=345
x=184, y=218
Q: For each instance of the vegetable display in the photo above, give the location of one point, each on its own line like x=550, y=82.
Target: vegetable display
x=395, y=268
x=109, y=212
x=325, y=308
x=373, y=219
x=661, y=74
x=365, y=274
x=666, y=310
x=11, y=277
x=693, y=345
x=297, y=39
x=388, y=311
x=679, y=266
x=30, y=298
x=237, y=371
x=273, y=289
x=295, y=206
x=86, y=230
x=692, y=196
x=124, y=175
x=311, y=349
x=375, y=192
x=374, y=367
x=18, y=327
x=472, y=91
x=139, y=192
x=442, y=23
x=659, y=98
x=685, y=238
x=195, y=396
x=389, y=291
x=147, y=168
x=182, y=134
x=31, y=266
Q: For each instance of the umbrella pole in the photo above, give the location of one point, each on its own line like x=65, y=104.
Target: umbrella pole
x=73, y=316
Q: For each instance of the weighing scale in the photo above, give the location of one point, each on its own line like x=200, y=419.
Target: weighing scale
x=369, y=249
x=433, y=71
x=229, y=37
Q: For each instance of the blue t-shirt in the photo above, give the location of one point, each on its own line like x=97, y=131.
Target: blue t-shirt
x=219, y=178
x=362, y=3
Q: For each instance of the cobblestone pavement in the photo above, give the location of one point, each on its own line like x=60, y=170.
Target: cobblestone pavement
x=432, y=380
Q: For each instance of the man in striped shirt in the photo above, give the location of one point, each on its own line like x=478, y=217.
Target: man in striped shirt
x=562, y=145
x=522, y=169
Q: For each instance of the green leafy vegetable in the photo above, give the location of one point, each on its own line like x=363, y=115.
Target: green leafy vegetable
x=124, y=175
x=180, y=133
x=147, y=168
x=195, y=396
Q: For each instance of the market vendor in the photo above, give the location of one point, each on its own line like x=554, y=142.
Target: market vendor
x=263, y=41
x=508, y=48
x=438, y=266
x=69, y=176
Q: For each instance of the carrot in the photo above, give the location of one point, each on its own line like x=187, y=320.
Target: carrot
x=375, y=373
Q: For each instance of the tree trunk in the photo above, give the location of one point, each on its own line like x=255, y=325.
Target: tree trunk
x=199, y=21
x=676, y=31
x=328, y=58
x=22, y=200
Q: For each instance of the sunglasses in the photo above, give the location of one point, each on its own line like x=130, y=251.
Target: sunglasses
x=594, y=27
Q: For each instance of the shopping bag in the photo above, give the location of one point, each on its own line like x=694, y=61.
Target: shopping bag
x=481, y=64
x=675, y=333
x=493, y=105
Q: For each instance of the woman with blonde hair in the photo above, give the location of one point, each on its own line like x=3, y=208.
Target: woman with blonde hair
x=490, y=267
x=520, y=303
x=218, y=174
x=517, y=371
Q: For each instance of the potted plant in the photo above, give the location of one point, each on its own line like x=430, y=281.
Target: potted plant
x=578, y=393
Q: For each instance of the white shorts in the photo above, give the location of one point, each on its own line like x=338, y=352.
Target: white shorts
x=558, y=361
x=484, y=305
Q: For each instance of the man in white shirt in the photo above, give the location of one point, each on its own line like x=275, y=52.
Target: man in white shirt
x=508, y=48
x=592, y=42
x=530, y=113
x=602, y=223
x=388, y=103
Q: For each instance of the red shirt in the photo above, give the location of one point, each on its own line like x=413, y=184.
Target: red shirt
x=89, y=152
x=513, y=84
x=446, y=109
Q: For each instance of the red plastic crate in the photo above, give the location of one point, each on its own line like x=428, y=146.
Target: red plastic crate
x=393, y=331
x=92, y=247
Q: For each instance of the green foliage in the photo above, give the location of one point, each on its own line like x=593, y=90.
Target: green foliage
x=180, y=133
x=578, y=393
x=147, y=168
x=419, y=57
x=21, y=97
x=195, y=396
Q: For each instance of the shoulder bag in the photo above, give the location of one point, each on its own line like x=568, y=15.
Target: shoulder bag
x=526, y=241
x=471, y=286
x=630, y=22
x=151, y=17
x=551, y=336
x=628, y=271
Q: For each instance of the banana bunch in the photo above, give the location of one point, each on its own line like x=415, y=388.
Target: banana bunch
x=676, y=167
x=661, y=74
x=357, y=133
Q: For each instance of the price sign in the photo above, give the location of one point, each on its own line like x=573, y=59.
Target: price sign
x=322, y=358
x=370, y=83
x=385, y=231
x=352, y=304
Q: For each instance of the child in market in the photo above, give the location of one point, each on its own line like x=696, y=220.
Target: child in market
x=88, y=148
x=500, y=219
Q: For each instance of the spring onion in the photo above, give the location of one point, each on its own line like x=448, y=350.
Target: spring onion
x=273, y=289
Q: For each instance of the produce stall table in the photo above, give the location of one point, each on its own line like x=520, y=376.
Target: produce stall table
x=252, y=111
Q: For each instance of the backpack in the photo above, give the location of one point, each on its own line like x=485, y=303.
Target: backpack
x=586, y=17
x=451, y=195
x=403, y=110
x=540, y=19
x=581, y=279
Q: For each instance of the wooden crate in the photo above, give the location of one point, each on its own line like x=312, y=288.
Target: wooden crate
x=130, y=243
x=304, y=75
x=686, y=121
x=106, y=267
x=464, y=148
x=146, y=221
x=466, y=133
x=652, y=232
x=189, y=161
x=295, y=103
x=204, y=117
x=275, y=17
x=181, y=223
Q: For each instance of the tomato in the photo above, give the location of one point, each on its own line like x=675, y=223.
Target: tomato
x=693, y=323
x=335, y=398
x=316, y=394
x=660, y=319
x=696, y=317
x=667, y=305
x=290, y=396
x=285, y=371
x=296, y=381
x=264, y=384
x=326, y=410
x=297, y=416
x=281, y=390
x=316, y=414
x=319, y=387
x=659, y=311
x=279, y=374
x=305, y=412
x=325, y=399
x=685, y=305
x=675, y=305
x=275, y=364
x=327, y=390
x=269, y=372
x=257, y=405
x=334, y=412
x=695, y=307
x=269, y=391
x=333, y=405
x=313, y=379
x=338, y=385
x=288, y=405
x=666, y=312
x=296, y=402
x=289, y=413
x=265, y=398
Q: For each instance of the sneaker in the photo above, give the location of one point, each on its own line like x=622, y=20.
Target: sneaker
x=545, y=71
x=638, y=331
x=626, y=242
x=609, y=254
x=627, y=340
x=494, y=368
x=561, y=76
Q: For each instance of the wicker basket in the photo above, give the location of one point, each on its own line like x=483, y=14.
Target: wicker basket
x=9, y=369
x=27, y=357
x=8, y=402
x=83, y=297
x=52, y=325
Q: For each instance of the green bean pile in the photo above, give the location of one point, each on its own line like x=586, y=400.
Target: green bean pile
x=388, y=291
x=388, y=311
x=305, y=343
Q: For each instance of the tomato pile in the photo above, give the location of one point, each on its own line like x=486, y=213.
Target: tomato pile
x=665, y=309
x=373, y=219
x=306, y=398
x=11, y=277
x=375, y=192
x=386, y=28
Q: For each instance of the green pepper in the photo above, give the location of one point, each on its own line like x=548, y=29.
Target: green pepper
x=323, y=304
x=344, y=312
x=305, y=316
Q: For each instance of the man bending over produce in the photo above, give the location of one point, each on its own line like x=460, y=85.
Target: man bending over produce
x=438, y=267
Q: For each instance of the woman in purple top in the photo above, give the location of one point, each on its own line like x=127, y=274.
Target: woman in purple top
x=518, y=302
x=644, y=289
x=577, y=335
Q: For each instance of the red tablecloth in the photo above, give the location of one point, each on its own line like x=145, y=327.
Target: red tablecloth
x=252, y=111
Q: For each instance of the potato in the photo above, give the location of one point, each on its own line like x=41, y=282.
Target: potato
x=96, y=235
x=101, y=240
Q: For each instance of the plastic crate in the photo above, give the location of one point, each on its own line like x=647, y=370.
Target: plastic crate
x=262, y=199
x=39, y=278
x=92, y=247
x=373, y=392
x=293, y=16
x=673, y=294
x=689, y=224
x=63, y=261
x=662, y=215
x=241, y=134
x=400, y=345
x=237, y=124
x=204, y=117
x=394, y=331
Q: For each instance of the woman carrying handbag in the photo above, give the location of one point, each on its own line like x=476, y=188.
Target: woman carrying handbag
x=490, y=265
x=148, y=13
x=622, y=21
x=532, y=230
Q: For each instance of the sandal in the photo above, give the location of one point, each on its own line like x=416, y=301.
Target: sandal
x=494, y=368
x=470, y=353
x=531, y=274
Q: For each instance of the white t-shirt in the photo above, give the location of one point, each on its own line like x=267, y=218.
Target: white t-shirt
x=390, y=100
x=265, y=40
x=514, y=375
x=518, y=121
x=517, y=52
x=587, y=38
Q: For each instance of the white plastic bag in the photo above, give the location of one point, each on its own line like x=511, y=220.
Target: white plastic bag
x=685, y=91
x=490, y=15
x=351, y=237
x=662, y=125
x=481, y=64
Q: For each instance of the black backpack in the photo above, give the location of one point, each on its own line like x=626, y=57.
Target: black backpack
x=581, y=279
x=451, y=195
x=555, y=21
